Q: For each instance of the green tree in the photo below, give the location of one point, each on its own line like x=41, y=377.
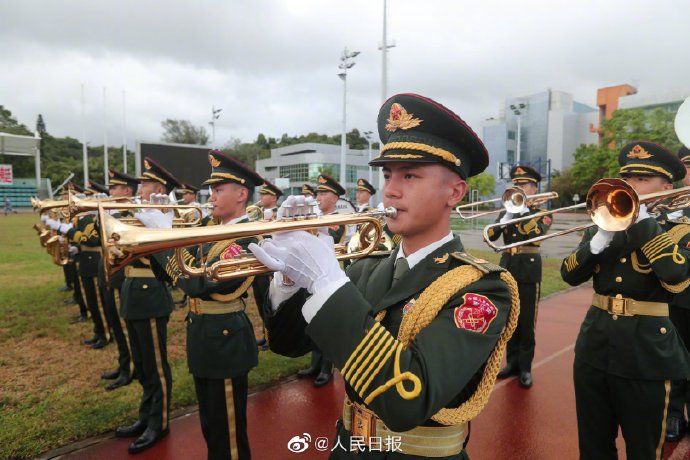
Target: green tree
x=636, y=124
x=484, y=183
x=9, y=124
x=183, y=132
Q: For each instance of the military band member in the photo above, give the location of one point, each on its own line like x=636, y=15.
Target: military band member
x=628, y=351
x=308, y=190
x=679, y=311
x=82, y=232
x=220, y=339
x=269, y=195
x=363, y=195
x=418, y=336
x=146, y=304
x=121, y=185
x=328, y=191
x=188, y=194
x=524, y=263
x=71, y=268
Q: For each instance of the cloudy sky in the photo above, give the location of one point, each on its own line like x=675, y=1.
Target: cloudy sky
x=271, y=65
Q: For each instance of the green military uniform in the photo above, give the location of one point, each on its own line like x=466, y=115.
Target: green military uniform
x=84, y=234
x=146, y=304
x=628, y=350
x=679, y=311
x=418, y=348
x=72, y=270
x=524, y=263
x=221, y=349
x=111, y=295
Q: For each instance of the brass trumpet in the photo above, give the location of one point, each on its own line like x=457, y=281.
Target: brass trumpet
x=612, y=204
x=48, y=205
x=122, y=243
x=58, y=248
x=514, y=201
x=184, y=213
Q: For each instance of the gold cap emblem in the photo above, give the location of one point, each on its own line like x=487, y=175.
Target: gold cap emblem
x=214, y=161
x=398, y=118
x=519, y=171
x=639, y=153
x=147, y=165
x=322, y=180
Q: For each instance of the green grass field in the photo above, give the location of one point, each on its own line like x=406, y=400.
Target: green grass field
x=51, y=393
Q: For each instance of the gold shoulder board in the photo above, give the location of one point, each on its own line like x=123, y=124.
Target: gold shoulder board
x=483, y=265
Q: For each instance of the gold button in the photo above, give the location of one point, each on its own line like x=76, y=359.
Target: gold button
x=619, y=296
x=662, y=330
x=531, y=259
x=623, y=260
x=225, y=332
x=615, y=317
x=145, y=286
x=618, y=279
x=514, y=234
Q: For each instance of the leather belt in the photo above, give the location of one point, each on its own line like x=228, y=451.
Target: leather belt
x=136, y=272
x=629, y=307
x=90, y=248
x=525, y=250
x=214, y=307
x=425, y=441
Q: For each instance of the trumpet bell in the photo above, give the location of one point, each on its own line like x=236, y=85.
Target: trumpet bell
x=514, y=200
x=613, y=204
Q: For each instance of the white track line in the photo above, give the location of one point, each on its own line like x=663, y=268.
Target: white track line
x=544, y=361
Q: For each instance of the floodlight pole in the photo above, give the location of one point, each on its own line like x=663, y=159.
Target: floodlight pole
x=105, y=141
x=85, y=156
x=347, y=62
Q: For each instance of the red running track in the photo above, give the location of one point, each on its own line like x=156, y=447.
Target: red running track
x=539, y=423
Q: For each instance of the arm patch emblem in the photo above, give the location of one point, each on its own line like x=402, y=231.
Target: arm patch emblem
x=476, y=313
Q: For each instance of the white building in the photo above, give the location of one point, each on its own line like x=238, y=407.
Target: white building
x=552, y=126
x=302, y=163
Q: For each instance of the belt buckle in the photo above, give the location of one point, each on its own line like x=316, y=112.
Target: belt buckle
x=363, y=423
x=617, y=306
x=194, y=305
x=513, y=251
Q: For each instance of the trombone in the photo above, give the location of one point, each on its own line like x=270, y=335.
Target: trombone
x=514, y=201
x=612, y=204
x=124, y=243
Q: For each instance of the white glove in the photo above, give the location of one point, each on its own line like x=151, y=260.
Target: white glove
x=73, y=250
x=506, y=217
x=268, y=214
x=643, y=214
x=155, y=218
x=380, y=207
x=44, y=218
x=308, y=261
x=64, y=228
x=600, y=240
x=54, y=224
